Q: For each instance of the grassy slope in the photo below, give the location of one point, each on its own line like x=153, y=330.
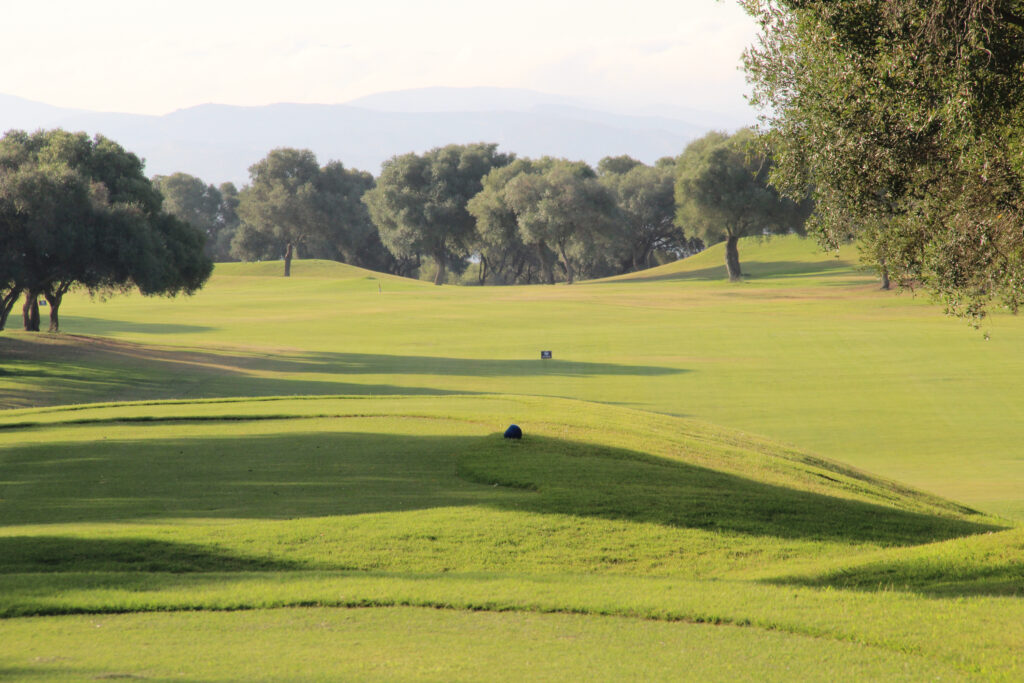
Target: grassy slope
x=602, y=510
x=822, y=360
x=418, y=501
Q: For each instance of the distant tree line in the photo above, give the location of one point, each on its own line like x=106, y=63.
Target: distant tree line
x=77, y=211
x=471, y=214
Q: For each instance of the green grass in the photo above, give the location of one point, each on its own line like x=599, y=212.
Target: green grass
x=364, y=644
x=823, y=360
x=794, y=477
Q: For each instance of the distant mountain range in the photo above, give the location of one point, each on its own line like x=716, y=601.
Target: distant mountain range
x=219, y=142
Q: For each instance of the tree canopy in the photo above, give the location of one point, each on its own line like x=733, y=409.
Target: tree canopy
x=645, y=196
x=907, y=119
x=504, y=256
x=80, y=211
x=294, y=203
x=419, y=204
x=211, y=209
x=564, y=208
x=722, y=192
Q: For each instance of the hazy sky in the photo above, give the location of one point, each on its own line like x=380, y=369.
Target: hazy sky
x=155, y=56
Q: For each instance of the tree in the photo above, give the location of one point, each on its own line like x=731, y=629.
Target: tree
x=212, y=210
x=355, y=239
x=722, y=192
x=504, y=256
x=619, y=165
x=83, y=214
x=419, y=204
x=563, y=208
x=906, y=117
x=292, y=202
x=279, y=202
x=12, y=238
x=646, y=199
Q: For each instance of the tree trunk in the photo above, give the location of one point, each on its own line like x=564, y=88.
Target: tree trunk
x=442, y=270
x=288, y=260
x=54, y=301
x=7, y=304
x=483, y=270
x=885, y=275
x=30, y=311
x=640, y=258
x=545, y=264
x=570, y=275
x=732, y=258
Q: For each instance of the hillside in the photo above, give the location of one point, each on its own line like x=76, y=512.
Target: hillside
x=768, y=257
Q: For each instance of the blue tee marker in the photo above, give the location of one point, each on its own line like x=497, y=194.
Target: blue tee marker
x=513, y=432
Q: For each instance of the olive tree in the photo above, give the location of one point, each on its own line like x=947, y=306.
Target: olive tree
x=80, y=212
x=723, y=194
x=419, y=204
x=906, y=117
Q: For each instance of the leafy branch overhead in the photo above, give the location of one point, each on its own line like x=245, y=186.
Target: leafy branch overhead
x=907, y=117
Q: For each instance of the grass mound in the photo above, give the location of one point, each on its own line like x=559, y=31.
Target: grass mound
x=417, y=501
x=641, y=493
x=303, y=268
x=775, y=257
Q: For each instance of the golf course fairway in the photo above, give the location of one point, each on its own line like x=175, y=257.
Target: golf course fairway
x=795, y=477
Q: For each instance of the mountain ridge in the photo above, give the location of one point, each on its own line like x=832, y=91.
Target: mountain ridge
x=218, y=142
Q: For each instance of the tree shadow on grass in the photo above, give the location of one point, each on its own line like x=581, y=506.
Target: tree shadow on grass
x=22, y=554
x=578, y=479
x=69, y=369
x=105, y=327
x=932, y=577
x=375, y=364
x=757, y=270
x=306, y=474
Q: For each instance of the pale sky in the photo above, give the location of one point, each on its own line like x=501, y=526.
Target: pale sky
x=156, y=56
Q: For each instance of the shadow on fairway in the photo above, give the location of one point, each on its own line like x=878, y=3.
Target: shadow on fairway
x=105, y=327
x=20, y=554
x=757, y=270
x=70, y=369
x=932, y=577
x=586, y=480
x=345, y=473
x=377, y=364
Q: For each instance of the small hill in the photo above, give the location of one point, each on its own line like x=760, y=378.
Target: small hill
x=305, y=268
x=760, y=257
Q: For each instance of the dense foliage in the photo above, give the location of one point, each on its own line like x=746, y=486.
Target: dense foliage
x=76, y=211
x=907, y=117
x=294, y=203
x=723, y=193
x=645, y=196
x=419, y=203
x=214, y=210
